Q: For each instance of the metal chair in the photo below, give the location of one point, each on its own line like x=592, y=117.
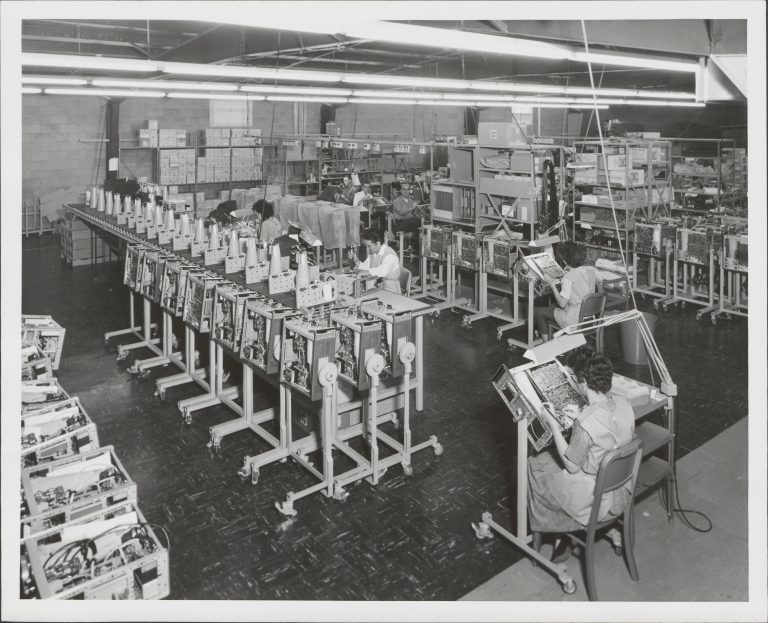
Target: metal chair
x=592, y=308
x=617, y=468
x=405, y=281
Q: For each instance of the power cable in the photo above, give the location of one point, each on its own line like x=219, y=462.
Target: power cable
x=655, y=355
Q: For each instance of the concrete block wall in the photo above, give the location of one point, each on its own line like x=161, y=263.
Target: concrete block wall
x=407, y=122
x=53, y=158
x=170, y=113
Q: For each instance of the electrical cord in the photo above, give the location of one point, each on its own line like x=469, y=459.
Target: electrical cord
x=683, y=512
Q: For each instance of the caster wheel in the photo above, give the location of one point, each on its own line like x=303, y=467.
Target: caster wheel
x=121, y=355
x=435, y=315
x=498, y=336
x=106, y=341
x=682, y=305
x=284, y=459
x=255, y=474
x=187, y=417
x=408, y=470
x=714, y=320
x=482, y=530
x=569, y=586
x=727, y=316
x=655, y=306
x=438, y=449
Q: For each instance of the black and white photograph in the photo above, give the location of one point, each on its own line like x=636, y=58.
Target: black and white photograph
x=384, y=311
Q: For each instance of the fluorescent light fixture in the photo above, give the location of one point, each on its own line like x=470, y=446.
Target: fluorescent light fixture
x=447, y=103
x=257, y=88
x=366, y=100
x=410, y=34
x=404, y=81
x=514, y=87
x=214, y=96
x=63, y=81
x=30, y=90
x=235, y=71
x=105, y=92
x=396, y=94
x=164, y=84
x=31, y=59
x=628, y=93
x=302, y=98
x=414, y=35
x=635, y=61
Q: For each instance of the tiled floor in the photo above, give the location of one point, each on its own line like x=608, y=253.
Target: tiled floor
x=675, y=563
x=409, y=538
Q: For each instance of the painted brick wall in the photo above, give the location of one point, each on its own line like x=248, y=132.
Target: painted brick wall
x=53, y=158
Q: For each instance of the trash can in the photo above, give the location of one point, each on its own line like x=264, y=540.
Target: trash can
x=632, y=346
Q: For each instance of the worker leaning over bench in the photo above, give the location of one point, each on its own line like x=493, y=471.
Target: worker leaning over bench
x=381, y=261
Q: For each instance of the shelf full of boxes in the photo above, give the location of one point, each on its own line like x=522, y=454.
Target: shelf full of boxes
x=193, y=163
x=703, y=173
x=636, y=183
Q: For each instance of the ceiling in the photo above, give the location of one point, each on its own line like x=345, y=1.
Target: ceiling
x=205, y=42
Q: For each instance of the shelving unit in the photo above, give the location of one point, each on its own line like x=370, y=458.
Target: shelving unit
x=637, y=179
x=223, y=167
x=496, y=193
x=703, y=173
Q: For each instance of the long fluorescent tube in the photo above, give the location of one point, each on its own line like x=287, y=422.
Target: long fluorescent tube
x=30, y=90
x=410, y=34
x=397, y=94
x=487, y=85
x=635, y=61
x=302, y=98
x=86, y=62
x=415, y=35
x=215, y=96
x=164, y=84
x=63, y=81
x=404, y=81
x=234, y=71
x=105, y=92
x=257, y=88
x=366, y=100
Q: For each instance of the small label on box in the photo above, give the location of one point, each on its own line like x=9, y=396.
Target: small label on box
x=234, y=264
x=214, y=256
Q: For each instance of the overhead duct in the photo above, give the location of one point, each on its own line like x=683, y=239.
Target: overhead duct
x=722, y=77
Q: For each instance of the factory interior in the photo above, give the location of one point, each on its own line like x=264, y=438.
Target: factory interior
x=348, y=311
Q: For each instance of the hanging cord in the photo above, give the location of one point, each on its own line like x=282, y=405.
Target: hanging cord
x=652, y=352
x=605, y=162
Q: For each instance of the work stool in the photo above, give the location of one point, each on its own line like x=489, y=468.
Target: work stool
x=617, y=469
x=401, y=238
x=592, y=308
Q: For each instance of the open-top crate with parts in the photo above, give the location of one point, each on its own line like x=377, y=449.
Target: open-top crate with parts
x=55, y=432
x=46, y=332
x=62, y=491
x=111, y=554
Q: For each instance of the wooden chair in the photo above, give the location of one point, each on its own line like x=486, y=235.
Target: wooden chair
x=405, y=281
x=592, y=308
x=617, y=468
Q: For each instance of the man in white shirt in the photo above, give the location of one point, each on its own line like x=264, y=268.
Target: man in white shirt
x=381, y=261
x=362, y=195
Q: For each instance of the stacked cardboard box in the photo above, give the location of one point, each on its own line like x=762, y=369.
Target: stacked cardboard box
x=177, y=166
x=77, y=246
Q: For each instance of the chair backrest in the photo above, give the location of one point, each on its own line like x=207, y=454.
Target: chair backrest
x=592, y=306
x=617, y=468
x=405, y=281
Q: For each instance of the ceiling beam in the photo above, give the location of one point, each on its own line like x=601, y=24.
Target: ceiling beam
x=123, y=44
